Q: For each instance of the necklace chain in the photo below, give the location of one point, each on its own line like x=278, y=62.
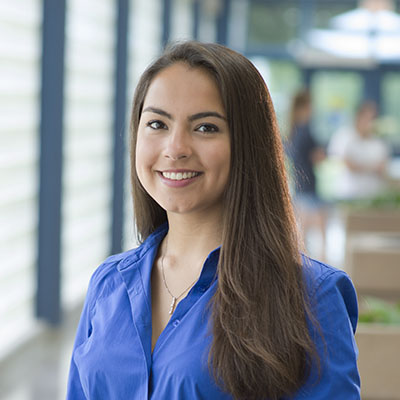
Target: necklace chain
x=174, y=298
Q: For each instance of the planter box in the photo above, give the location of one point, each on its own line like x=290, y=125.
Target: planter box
x=378, y=361
x=373, y=262
x=371, y=220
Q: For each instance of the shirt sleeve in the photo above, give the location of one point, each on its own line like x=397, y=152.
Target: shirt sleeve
x=336, y=310
x=75, y=389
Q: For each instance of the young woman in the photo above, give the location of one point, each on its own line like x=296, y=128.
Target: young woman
x=217, y=302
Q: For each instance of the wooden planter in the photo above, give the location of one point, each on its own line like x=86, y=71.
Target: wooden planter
x=371, y=220
x=372, y=255
x=379, y=361
x=373, y=262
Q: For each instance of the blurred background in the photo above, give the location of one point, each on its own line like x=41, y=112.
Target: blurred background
x=68, y=70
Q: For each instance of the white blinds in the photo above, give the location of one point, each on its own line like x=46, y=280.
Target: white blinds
x=145, y=22
x=209, y=10
x=88, y=142
x=144, y=45
x=182, y=20
x=20, y=51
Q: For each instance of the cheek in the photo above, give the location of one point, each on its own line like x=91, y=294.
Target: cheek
x=223, y=155
x=145, y=154
x=143, y=161
x=227, y=164
x=220, y=159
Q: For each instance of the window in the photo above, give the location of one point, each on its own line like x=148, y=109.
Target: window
x=283, y=78
x=390, y=109
x=326, y=10
x=20, y=28
x=182, y=19
x=144, y=45
x=336, y=95
x=88, y=143
x=272, y=22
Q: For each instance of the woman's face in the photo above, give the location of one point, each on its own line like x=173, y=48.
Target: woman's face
x=183, y=142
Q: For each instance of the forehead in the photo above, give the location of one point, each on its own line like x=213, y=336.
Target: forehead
x=183, y=85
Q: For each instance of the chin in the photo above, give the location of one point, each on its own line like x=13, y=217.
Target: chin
x=176, y=209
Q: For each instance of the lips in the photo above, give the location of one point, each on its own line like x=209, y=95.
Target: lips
x=179, y=178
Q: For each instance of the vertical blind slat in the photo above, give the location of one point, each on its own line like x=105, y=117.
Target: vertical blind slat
x=89, y=89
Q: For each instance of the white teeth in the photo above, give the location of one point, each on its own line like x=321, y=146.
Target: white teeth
x=178, y=176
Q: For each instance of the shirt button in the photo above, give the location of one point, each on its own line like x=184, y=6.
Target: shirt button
x=176, y=323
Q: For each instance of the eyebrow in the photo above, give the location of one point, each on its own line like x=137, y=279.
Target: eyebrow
x=206, y=114
x=193, y=117
x=157, y=111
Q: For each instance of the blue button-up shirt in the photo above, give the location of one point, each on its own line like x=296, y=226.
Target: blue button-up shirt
x=112, y=357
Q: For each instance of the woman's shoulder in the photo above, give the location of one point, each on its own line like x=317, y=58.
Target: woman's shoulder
x=108, y=272
x=333, y=303
x=330, y=288
x=318, y=274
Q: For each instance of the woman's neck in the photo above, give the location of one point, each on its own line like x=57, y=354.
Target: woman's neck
x=192, y=238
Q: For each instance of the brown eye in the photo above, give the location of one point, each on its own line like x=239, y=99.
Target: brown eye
x=156, y=125
x=207, y=128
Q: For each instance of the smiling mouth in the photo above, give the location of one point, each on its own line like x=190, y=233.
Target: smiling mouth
x=180, y=176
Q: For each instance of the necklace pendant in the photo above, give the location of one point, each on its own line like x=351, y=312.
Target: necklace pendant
x=171, y=308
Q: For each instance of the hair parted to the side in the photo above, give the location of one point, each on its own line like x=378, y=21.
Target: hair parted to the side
x=261, y=345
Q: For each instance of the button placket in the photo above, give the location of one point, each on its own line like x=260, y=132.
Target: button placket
x=176, y=323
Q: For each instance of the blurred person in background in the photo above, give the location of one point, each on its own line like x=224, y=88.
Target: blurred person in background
x=364, y=156
x=305, y=154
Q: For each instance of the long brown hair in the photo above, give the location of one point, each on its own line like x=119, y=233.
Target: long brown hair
x=261, y=346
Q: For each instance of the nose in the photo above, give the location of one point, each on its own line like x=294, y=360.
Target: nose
x=178, y=144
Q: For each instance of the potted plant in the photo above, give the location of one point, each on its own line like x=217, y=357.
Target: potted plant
x=378, y=341
x=376, y=214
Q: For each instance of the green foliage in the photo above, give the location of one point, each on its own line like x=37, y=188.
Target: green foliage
x=380, y=311
x=388, y=200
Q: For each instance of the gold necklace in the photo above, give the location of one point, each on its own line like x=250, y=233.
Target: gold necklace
x=174, y=298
